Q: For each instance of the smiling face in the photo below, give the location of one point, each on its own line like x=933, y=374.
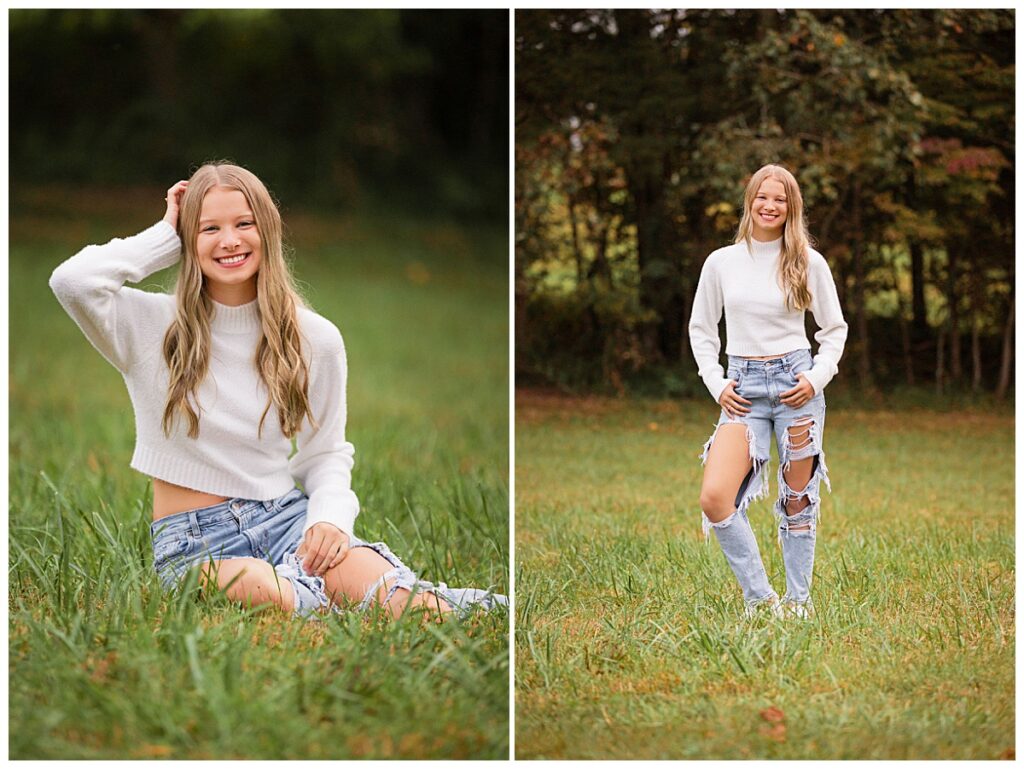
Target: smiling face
x=769, y=210
x=228, y=246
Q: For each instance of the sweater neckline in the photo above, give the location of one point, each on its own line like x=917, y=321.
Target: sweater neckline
x=762, y=249
x=243, y=319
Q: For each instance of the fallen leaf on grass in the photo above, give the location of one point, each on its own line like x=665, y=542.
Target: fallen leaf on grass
x=1008, y=755
x=773, y=715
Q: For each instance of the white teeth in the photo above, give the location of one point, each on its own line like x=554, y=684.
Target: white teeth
x=232, y=259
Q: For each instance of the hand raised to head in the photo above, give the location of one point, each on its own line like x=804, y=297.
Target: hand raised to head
x=174, y=203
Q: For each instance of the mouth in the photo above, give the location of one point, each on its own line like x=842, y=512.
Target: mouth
x=769, y=217
x=234, y=260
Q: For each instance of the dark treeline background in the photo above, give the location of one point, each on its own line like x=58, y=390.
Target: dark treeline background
x=382, y=107
x=637, y=130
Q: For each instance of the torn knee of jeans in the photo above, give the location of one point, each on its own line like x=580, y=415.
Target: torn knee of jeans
x=394, y=580
x=802, y=523
x=722, y=524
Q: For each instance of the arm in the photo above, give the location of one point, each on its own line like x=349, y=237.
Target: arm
x=704, y=340
x=828, y=314
x=324, y=460
x=90, y=286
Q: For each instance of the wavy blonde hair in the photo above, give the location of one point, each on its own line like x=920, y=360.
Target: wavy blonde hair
x=795, y=238
x=278, y=359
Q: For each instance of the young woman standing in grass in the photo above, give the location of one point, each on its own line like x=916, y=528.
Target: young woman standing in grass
x=223, y=375
x=765, y=282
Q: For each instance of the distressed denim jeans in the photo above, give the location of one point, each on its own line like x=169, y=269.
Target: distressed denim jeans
x=272, y=530
x=762, y=382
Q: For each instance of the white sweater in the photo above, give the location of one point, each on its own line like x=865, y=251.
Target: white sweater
x=746, y=284
x=229, y=459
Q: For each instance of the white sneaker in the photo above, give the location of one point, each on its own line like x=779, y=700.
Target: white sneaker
x=771, y=605
x=796, y=610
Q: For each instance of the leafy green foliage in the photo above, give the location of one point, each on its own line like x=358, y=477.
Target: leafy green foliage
x=637, y=130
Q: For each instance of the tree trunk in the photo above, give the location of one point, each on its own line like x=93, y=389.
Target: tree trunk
x=976, y=355
x=918, y=311
x=863, y=346
x=940, y=359
x=577, y=254
x=659, y=273
x=1005, y=368
x=955, y=365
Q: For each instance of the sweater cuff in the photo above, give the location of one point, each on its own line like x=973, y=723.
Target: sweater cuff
x=327, y=507
x=818, y=376
x=715, y=387
x=160, y=244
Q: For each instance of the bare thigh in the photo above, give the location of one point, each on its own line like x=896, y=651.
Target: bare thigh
x=360, y=570
x=728, y=463
x=250, y=581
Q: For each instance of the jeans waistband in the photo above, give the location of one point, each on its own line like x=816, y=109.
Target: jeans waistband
x=237, y=509
x=782, y=363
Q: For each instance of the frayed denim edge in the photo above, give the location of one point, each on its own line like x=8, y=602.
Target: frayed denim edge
x=756, y=489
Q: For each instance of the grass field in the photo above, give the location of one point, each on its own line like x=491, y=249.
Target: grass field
x=103, y=665
x=629, y=642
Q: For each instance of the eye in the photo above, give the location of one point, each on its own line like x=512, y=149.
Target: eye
x=246, y=224
x=209, y=228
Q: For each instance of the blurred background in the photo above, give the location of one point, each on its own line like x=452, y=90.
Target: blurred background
x=328, y=107
x=384, y=136
x=637, y=130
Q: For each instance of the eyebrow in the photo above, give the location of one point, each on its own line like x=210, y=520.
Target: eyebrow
x=240, y=216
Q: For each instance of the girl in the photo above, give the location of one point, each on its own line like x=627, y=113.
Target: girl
x=765, y=282
x=222, y=376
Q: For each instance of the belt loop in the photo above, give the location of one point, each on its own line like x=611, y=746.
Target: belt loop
x=193, y=522
x=270, y=505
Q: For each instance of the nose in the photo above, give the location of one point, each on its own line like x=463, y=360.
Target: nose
x=230, y=241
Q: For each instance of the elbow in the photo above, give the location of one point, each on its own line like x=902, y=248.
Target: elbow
x=61, y=281
x=66, y=280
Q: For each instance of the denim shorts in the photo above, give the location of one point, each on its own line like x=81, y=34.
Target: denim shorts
x=272, y=530
x=762, y=382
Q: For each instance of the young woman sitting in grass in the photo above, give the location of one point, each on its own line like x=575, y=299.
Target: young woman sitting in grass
x=765, y=282
x=223, y=375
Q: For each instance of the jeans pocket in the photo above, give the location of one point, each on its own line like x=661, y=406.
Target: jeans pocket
x=170, y=546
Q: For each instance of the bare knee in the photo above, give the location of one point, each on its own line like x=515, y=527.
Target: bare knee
x=717, y=504
x=430, y=605
x=249, y=581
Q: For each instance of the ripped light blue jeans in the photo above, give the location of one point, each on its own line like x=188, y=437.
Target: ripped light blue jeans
x=762, y=382
x=272, y=530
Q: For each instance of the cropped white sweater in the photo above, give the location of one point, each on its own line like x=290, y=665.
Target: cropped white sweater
x=745, y=283
x=228, y=459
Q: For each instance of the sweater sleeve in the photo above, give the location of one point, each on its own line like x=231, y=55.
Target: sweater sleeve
x=704, y=339
x=324, y=459
x=828, y=314
x=90, y=287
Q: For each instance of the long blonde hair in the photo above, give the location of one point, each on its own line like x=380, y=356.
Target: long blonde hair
x=795, y=238
x=279, y=359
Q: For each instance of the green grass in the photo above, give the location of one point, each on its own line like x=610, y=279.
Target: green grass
x=629, y=642
x=104, y=665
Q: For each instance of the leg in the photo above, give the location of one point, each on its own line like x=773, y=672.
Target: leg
x=797, y=473
x=364, y=571
x=729, y=471
x=249, y=581
x=799, y=502
x=726, y=470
